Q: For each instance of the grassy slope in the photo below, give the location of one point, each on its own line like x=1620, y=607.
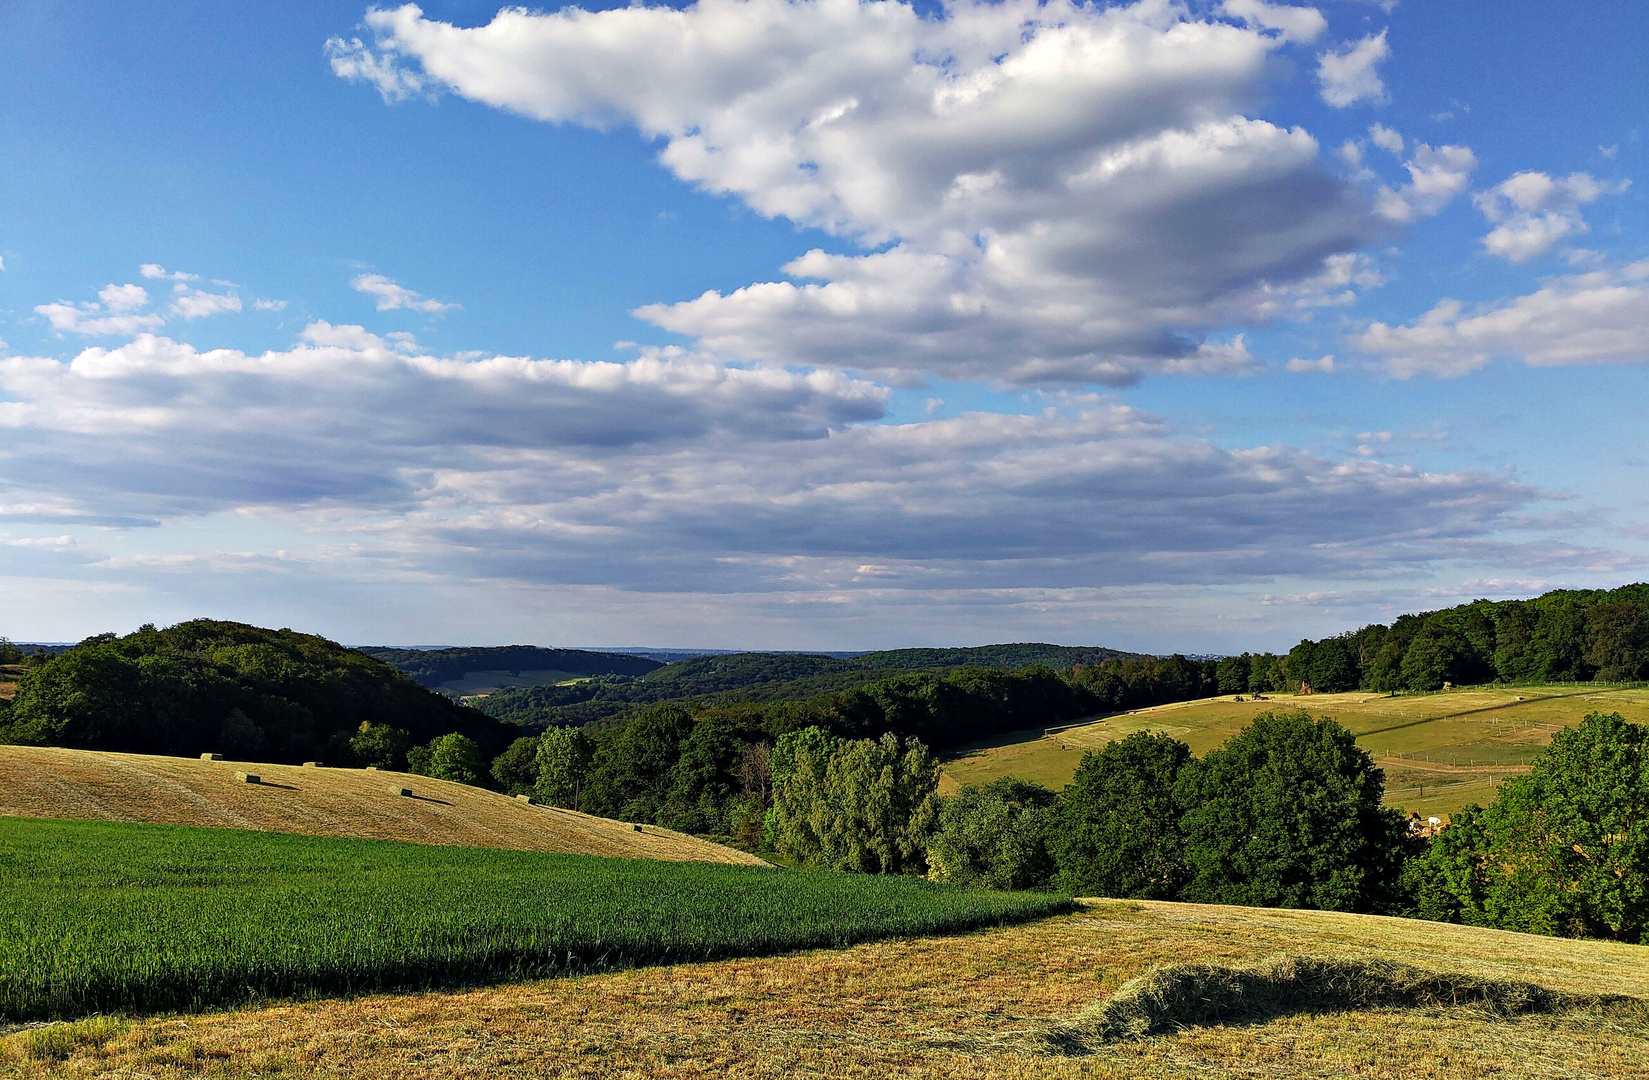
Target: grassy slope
x=1439, y=751
x=928, y=1007
x=99, y=917
x=56, y=783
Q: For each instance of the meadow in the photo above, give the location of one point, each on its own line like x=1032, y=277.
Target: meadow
x=101, y=917
x=1439, y=751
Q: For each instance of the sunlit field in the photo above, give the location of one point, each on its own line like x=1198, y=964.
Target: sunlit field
x=1439, y=751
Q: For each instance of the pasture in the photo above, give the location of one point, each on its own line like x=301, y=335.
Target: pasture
x=100, y=918
x=47, y=782
x=481, y=683
x=978, y=1006
x=1439, y=751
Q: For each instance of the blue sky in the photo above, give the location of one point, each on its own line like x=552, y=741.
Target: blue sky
x=754, y=324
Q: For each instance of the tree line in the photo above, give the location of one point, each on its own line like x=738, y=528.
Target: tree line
x=1561, y=636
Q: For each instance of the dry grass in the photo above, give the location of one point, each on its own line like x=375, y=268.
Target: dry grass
x=1439, y=751
x=932, y=1007
x=93, y=785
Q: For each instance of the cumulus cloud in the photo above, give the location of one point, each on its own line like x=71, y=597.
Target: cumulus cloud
x=1436, y=176
x=1596, y=318
x=1350, y=75
x=1056, y=191
x=1386, y=139
x=118, y=310
x=393, y=297
x=1322, y=363
x=1532, y=212
x=197, y=303
x=1299, y=24
x=156, y=271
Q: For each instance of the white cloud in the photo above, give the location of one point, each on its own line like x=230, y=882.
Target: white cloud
x=392, y=297
x=1532, y=212
x=1059, y=191
x=1386, y=139
x=1299, y=24
x=352, y=60
x=118, y=313
x=1322, y=363
x=1595, y=318
x=155, y=270
x=197, y=303
x=1436, y=176
x=672, y=472
x=1350, y=76
x=269, y=305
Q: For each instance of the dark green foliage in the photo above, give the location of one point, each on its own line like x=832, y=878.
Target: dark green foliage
x=634, y=764
x=1563, y=850
x=98, y=917
x=1287, y=814
x=179, y=690
x=995, y=836
x=1119, y=831
x=515, y=771
x=1135, y=682
x=432, y=667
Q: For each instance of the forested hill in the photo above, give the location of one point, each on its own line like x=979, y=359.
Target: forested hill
x=1562, y=636
x=432, y=667
x=209, y=686
x=760, y=677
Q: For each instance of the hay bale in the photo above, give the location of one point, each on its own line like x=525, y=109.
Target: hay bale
x=311, y=764
x=528, y=799
x=372, y=768
x=401, y=790
x=636, y=827
x=211, y=757
x=247, y=778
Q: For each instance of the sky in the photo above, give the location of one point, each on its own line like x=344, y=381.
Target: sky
x=1195, y=327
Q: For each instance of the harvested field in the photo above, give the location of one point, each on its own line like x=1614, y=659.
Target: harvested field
x=929, y=1007
x=91, y=784
x=1439, y=751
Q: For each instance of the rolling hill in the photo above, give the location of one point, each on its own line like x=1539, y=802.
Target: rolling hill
x=95, y=785
x=1439, y=751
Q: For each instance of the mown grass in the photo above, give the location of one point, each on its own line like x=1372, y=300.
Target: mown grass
x=105, y=918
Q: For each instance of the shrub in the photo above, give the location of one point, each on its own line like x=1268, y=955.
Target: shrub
x=995, y=836
x=456, y=757
x=1119, y=831
x=1287, y=814
x=865, y=805
x=380, y=745
x=515, y=771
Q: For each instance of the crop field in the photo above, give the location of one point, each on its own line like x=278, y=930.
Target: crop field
x=41, y=781
x=99, y=918
x=1439, y=751
x=975, y=1006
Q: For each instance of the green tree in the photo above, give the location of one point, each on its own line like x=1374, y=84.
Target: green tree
x=632, y=771
x=1288, y=814
x=1119, y=832
x=994, y=836
x=1438, y=654
x=1231, y=674
x=456, y=757
x=705, y=779
x=864, y=805
x=1562, y=850
x=563, y=765
x=380, y=745
x=1617, y=640
x=241, y=738
x=515, y=771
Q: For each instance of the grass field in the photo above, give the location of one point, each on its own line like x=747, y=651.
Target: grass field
x=117, y=918
x=961, y=1006
x=92, y=784
x=1439, y=751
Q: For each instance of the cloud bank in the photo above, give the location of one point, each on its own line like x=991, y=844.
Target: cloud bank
x=1046, y=192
